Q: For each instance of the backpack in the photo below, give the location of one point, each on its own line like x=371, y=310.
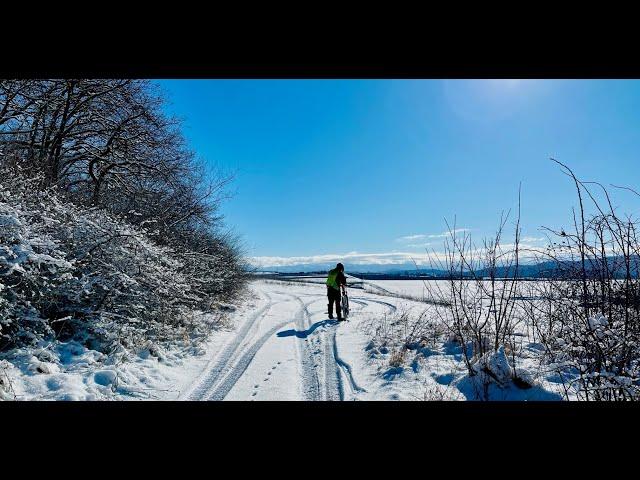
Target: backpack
x=331, y=279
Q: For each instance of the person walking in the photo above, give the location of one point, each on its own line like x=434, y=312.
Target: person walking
x=335, y=281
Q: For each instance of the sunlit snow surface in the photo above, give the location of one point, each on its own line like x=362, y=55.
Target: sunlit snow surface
x=281, y=346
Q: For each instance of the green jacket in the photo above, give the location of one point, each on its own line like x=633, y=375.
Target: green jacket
x=336, y=278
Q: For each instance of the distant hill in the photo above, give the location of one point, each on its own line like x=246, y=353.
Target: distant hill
x=324, y=267
x=538, y=270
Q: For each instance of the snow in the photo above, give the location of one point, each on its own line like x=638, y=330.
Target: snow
x=597, y=321
x=415, y=288
x=280, y=345
x=105, y=378
x=289, y=350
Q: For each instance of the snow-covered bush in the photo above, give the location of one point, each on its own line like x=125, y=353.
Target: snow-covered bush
x=478, y=300
x=403, y=330
x=6, y=388
x=495, y=366
x=594, y=346
x=68, y=271
x=588, y=315
x=109, y=225
x=109, y=144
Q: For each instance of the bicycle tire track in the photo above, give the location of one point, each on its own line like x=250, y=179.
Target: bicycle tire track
x=310, y=382
x=232, y=377
x=218, y=365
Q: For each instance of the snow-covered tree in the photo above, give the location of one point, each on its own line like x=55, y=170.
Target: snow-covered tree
x=109, y=229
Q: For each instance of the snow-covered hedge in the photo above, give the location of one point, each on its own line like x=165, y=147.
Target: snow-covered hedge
x=69, y=271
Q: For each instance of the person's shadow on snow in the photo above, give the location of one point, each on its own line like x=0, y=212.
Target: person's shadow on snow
x=307, y=332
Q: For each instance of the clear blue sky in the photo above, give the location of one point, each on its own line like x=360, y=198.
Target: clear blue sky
x=332, y=167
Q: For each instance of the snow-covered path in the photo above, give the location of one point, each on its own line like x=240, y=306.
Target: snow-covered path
x=286, y=348
x=282, y=347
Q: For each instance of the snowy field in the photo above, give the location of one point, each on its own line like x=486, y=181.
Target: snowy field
x=282, y=346
x=420, y=289
x=412, y=288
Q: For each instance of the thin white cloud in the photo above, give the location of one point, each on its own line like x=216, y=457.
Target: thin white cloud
x=354, y=258
x=409, y=238
x=528, y=251
x=532, y=239
x=418, y=245
x=446, y=234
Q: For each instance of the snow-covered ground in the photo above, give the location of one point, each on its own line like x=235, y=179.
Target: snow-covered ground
x=415, y=288
x=282, y=346
x=288, y=349
x=70, y=371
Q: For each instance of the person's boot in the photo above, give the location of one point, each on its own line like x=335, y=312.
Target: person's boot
x=329, y=310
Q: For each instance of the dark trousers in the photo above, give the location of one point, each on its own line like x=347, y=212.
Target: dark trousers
x=334, y=297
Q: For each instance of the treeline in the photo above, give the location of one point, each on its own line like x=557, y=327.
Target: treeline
x=106, y=215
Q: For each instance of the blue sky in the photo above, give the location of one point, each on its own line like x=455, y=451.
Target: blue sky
x=332, y=169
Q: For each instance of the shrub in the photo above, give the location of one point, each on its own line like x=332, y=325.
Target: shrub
x=68, y=271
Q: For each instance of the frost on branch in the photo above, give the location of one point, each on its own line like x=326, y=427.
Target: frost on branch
x=67, y=271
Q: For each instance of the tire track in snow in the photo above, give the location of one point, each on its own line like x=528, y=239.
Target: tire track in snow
x=335, y=367
x=346, y=368
x=358, y=302
x=213, y=371
x=333, y=389
x=392, y=307
x=232, y=363
x=241, y=365
x=363, y=300
x=310, y=381
x=219, y=390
